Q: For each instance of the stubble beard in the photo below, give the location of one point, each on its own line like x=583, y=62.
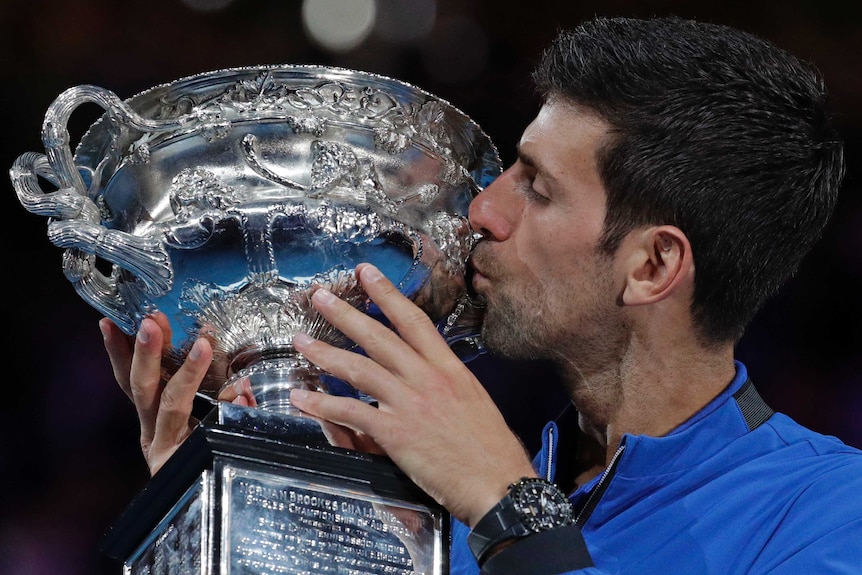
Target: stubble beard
x=515, y=323
x=526, y=322
x=512, y=329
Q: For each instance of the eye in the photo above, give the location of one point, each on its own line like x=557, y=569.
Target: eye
x=528, y=188
x=528, y=182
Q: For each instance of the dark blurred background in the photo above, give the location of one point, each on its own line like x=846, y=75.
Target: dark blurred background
x=69, y=457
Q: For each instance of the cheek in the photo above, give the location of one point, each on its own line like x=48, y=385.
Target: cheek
x=551, y=249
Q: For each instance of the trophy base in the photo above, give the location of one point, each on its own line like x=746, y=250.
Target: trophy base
x=250, y=492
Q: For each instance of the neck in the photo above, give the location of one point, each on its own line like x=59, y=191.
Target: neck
x=649, y=391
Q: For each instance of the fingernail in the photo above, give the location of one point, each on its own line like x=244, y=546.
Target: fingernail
x=103, y=327
x=302, y=339
x=195, y=351
x=324, y=296
x=370, y=273
x=298, y=394
x=143, y=334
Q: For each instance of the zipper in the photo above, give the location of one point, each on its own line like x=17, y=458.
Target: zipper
x=549, y=476
x=600, y=489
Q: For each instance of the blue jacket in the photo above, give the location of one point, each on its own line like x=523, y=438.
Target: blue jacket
x=735, y=489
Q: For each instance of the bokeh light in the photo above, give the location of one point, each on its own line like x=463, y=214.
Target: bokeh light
x=338, y=25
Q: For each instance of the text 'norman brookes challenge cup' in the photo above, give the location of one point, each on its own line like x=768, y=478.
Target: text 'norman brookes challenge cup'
x=223, y=200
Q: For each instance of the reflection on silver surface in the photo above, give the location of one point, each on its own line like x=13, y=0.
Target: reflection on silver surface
x=280, y=525
x=180, y=544
x=224, y=200
x=255, y=518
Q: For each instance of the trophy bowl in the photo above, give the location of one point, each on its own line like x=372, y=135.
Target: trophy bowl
x=224, y=200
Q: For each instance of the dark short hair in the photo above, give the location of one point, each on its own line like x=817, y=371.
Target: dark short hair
x=715, y=131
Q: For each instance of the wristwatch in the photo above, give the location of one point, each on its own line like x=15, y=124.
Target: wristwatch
x=532, y=505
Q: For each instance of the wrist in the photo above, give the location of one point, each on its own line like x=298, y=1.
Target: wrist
x=488, y=501
x=531, y=505
x=488, y=492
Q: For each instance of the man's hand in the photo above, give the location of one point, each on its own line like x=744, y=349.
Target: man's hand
x=164, y=410
x=435, y=420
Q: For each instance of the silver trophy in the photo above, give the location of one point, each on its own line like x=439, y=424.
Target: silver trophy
x=224, y=200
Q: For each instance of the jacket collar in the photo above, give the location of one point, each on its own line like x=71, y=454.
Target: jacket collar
x=731, y=414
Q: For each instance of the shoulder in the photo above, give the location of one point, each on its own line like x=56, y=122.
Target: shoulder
x=819, y=471
x=794, y=435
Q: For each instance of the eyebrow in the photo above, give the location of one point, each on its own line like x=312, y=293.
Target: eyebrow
x=534, y=163
x=524, y=157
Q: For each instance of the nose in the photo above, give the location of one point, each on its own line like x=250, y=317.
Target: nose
x=492, y=211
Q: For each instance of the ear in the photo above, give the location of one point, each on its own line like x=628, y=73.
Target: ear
x=658, y=262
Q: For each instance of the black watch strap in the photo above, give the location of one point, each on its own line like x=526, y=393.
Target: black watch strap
x=532, y=505
x=501, y=523
x=561, y=550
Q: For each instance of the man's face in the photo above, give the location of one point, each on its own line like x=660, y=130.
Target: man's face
x=550, y=292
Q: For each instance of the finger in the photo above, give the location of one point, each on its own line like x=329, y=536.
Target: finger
x=239, y=392
x=176, y=402
x=145, y=377
x=344, y=411
x=164, y=324
x=361, y=372
x=241, y=401
x=341, y=436
x=338, y=435
x=378, y=341
x=416, y=339
x=119, y=347
x=412, y=324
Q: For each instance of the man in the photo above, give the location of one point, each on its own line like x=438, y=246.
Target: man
x=671, y=182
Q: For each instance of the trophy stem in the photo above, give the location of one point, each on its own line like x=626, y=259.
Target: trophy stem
x=272, y=375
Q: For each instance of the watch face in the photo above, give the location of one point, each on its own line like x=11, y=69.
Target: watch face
x=542, y=505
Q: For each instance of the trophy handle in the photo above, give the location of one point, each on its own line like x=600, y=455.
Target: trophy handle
x=75, y=219
x=55, y=135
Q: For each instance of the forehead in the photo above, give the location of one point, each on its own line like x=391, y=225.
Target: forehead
x=563, y=140
x=563, y=123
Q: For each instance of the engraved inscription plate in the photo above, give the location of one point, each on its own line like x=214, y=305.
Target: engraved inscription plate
x=285, y=525
x=236, y=501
